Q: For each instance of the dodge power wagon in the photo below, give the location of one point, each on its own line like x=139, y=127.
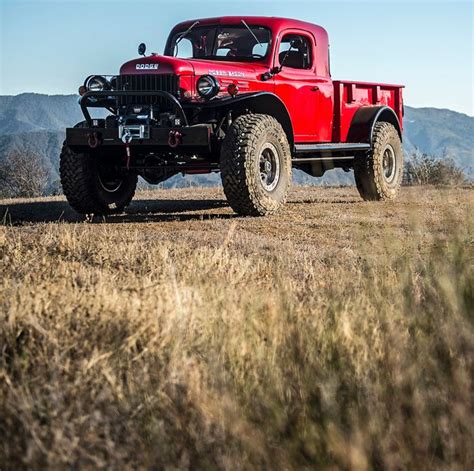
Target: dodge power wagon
x=250, y=97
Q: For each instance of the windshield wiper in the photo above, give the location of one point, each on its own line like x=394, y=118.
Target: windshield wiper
x=183, y=35
x=251, y=32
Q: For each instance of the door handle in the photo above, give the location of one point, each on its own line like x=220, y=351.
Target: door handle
x=315, y=88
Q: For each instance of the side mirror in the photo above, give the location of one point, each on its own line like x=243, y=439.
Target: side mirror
x=142, y=49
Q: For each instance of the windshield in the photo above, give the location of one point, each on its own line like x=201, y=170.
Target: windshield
x=227, y=43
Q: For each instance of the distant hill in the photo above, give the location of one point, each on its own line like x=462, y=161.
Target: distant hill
x=32, y=112
x=36, y=122
x=46, y=144
x=437, y=132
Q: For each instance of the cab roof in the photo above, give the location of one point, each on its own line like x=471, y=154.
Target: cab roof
x=274, y=23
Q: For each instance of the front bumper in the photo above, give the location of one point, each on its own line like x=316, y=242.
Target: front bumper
x=186, y=138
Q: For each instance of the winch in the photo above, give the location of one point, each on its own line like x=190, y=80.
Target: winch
x=133, y=131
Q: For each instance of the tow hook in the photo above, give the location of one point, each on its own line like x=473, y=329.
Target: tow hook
x=126, y=139
x=175, y=138
x=94, y=140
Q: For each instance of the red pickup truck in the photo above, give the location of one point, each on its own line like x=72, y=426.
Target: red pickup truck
x=251, y=97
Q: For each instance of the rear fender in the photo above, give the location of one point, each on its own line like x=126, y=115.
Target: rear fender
x=365, y=119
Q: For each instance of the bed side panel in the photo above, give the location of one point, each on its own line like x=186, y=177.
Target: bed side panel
x=350, y=96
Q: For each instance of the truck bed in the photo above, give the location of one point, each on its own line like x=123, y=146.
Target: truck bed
x=350, y=96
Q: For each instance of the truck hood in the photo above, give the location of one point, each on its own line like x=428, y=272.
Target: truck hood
x=223, y=70
x=156, y=64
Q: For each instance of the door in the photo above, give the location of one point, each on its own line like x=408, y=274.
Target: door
x=297, y=84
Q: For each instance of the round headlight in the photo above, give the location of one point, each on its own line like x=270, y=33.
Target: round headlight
x=208, y=87
x=97, y=83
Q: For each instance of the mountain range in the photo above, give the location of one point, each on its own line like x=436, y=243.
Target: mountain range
x=36, y=122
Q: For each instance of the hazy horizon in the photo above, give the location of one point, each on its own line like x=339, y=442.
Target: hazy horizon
x=74, y=94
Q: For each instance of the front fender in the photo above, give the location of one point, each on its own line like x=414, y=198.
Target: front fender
x=257, y=102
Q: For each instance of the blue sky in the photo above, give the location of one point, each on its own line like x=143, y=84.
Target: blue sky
x=50, y=46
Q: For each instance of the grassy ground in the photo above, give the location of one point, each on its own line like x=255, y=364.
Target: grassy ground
x=335, y=335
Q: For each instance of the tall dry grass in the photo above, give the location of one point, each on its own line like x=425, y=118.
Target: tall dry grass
x=121, y=348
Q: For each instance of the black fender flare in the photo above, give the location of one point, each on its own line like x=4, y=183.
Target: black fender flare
x=258, y=102
x=365, y=119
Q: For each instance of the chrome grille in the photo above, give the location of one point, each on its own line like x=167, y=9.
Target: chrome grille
x=146, y=83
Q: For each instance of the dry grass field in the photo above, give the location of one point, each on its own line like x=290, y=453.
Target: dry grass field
x=335, y=335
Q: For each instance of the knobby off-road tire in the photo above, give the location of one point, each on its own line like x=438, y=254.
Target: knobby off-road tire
x=378, y=174
x=89, y=189
x=255, y=165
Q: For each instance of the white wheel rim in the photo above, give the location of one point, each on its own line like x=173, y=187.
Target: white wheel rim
x=269, y=165
x=389, y=164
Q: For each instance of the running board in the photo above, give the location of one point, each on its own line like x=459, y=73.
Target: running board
x=319, y=159
x=323, y=148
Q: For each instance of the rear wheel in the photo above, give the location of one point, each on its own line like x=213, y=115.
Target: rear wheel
x=378, y=174
x=255, y=165
x=92, y=188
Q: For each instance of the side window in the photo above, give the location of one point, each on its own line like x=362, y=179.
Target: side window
x=295, y=52
x=185, y=49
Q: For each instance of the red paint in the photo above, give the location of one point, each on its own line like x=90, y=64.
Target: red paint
x=321, y=109
x=350, y=96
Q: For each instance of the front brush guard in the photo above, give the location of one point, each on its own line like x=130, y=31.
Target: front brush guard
x=107, y=99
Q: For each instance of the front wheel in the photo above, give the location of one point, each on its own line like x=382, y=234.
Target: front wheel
x=94, y=188
x=255, y=165
x=378, y=174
